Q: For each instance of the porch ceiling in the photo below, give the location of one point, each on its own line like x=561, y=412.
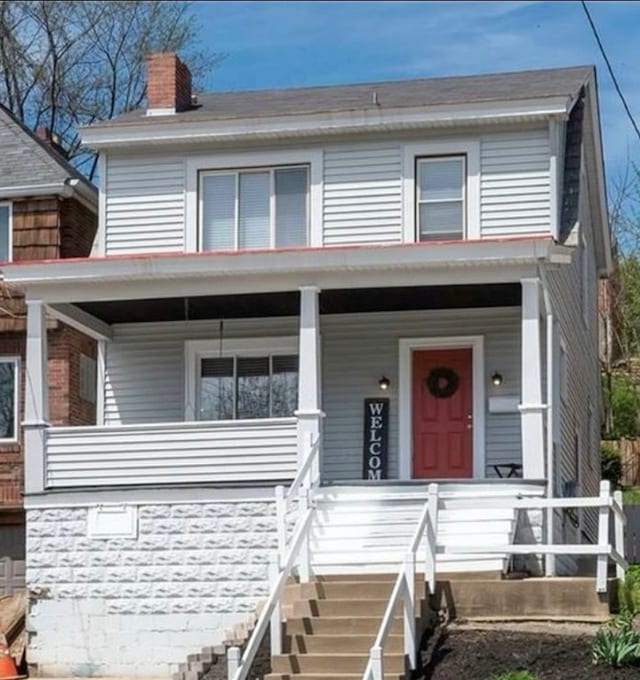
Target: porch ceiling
x=338, y=301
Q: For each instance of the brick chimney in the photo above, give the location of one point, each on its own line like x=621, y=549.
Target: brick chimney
x=52, y=139
x=168, y=84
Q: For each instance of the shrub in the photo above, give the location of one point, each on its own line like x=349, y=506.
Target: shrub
x=625, y=405
x=629, y=592
x=610, y=463
x=617, y=643
x=514, y=675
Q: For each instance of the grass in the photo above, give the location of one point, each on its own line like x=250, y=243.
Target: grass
x=514, y=675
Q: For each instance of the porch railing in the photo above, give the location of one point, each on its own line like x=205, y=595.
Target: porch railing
x=404, y=590
x=290, y=554
x=262, y=450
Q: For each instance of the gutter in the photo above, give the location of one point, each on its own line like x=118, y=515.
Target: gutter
x=67, y=189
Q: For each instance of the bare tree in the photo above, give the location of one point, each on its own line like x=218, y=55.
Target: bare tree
x=64, y=63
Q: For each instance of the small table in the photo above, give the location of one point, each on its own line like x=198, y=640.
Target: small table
x=512, y=470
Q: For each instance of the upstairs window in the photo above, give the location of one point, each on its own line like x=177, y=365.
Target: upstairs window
x=440, y=199
x=265, y=208
x=8, y=398
x=5, y=232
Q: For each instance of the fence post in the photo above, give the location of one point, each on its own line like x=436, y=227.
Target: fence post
x=276, y=617
x=233, y=662
x=431, y=538
x=409, y=609
x=618, y=527
x=603, y=536
x=305, y=548
x=281, y=520
x=377, y=668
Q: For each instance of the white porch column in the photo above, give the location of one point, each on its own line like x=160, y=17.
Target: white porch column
x=532, y=407
x=309, y=413
x=36, y=407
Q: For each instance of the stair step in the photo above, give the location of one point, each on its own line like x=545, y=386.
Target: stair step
x=339, y=644
x=332, y=663
x=328, y=676
x=336, y=607
x=356, y=590
x=339, y=625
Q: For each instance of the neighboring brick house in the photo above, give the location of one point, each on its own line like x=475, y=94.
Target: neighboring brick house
x=48, y=210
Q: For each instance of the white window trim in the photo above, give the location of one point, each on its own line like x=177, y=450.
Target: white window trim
x=9, y=205
x=249, y=160
x=232, y=347
x=454, y=147
x=9, y=358
x=236, y=172
x=405, y=406
x=462, y=199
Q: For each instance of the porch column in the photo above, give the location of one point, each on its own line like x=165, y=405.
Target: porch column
x=532, y=408
x=36, y=408
x=309, y=413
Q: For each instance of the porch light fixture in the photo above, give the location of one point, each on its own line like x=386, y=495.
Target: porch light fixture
x=384, y=383
x=496, y=379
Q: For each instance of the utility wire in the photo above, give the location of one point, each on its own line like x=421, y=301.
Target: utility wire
x=611, y=72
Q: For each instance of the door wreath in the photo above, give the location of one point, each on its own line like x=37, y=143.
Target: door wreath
x=442, y=382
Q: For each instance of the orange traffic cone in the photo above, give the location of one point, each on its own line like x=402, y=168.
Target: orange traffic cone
x=8, y=670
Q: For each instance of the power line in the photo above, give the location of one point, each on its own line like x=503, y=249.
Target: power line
x=608, y=63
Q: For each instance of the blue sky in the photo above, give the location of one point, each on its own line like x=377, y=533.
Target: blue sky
x=287, y=44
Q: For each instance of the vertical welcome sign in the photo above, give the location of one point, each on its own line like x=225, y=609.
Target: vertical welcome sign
x=376, y=438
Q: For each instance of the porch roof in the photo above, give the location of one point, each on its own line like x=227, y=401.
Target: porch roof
x=192, y=274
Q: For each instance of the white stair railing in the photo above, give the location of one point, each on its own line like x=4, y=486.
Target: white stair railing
x=404, y=590
x=289, y=554
x=306, y=479
x=606, y=503
x=270, y=618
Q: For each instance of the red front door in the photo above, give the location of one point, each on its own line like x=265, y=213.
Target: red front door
x=442, y=413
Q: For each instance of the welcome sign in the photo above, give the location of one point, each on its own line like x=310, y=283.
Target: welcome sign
x=376, y=438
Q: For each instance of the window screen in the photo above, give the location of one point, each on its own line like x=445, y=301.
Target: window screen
x=440, y=197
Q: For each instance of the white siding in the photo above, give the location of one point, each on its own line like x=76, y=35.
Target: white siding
x=515, y=187
x=145, y=204
x=362, y=194
x=145, y=372
x=172, y=454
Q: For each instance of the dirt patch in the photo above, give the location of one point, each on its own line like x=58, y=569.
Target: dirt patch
x=465, y=654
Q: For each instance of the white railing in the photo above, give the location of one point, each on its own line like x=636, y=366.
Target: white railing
x=168, y=453
x=271, y=615
x=289, y=554
x=403, y=592
x=308, y=477
x=604, y=550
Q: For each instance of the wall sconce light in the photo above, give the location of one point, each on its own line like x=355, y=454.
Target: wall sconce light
x=496, y=379
x=384, y=383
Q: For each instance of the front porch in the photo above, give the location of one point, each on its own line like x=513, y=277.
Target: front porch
x=170, y=375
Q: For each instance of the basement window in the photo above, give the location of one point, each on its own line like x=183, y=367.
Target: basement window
x=9, y=398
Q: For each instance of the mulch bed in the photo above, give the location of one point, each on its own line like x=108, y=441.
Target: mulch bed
x=479, y=654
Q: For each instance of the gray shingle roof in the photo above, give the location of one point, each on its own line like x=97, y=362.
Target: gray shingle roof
x=512, y=86
x=26, y=160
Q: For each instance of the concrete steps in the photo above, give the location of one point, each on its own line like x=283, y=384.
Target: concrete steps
x=332, y=624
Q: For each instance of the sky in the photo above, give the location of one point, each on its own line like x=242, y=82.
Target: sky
x=289, y=44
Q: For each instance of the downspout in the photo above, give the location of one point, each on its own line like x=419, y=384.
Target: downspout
x=550, y=560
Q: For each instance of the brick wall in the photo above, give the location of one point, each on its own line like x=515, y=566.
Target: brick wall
x=65, y=405
x=78, y=226
x=168, y=82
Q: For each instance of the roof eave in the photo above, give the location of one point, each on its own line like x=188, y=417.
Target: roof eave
x=328, y=123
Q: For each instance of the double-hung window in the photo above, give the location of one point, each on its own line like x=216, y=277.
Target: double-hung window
x=5, y=232
x=254, y=208
x=8, y=398
x=440, y=198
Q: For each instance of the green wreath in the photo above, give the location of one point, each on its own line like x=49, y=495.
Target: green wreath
x=442, y=382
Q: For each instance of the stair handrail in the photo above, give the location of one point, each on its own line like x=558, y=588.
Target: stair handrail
x=607, y=548
x=304, y=479
x=238, y=666
x=404, y=589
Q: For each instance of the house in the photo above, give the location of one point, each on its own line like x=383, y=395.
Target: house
x=47, y=211
x=380, y=286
